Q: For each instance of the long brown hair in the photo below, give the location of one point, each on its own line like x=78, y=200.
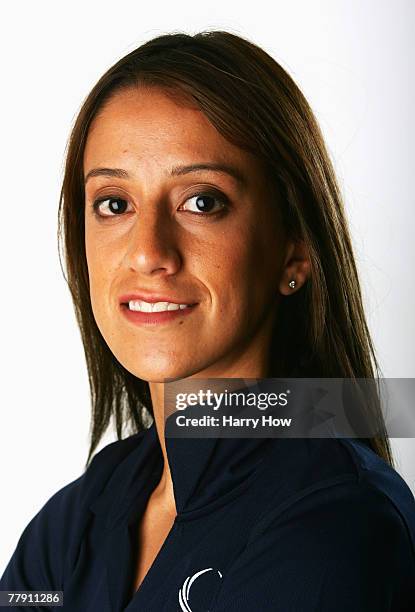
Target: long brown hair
x=252, y=101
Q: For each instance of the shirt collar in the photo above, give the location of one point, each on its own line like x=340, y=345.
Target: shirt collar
x=206, y=473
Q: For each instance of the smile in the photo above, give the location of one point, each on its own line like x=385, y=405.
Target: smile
x=155, y=313
x=141, y=306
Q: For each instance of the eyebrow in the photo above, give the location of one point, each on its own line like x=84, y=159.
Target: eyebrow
x=175, y=171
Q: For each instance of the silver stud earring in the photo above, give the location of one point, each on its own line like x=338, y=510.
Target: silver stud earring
x=292, y=284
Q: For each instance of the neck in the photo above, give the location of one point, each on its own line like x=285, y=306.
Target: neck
x=164, y=493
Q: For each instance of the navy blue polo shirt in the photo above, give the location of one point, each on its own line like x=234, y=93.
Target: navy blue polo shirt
x=281, y=525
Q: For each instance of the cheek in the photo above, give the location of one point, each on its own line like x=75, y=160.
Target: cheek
x=102, y=262
x=230, y=273
x=244, y=273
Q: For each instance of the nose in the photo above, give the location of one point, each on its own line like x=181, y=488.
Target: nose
x=152, y=244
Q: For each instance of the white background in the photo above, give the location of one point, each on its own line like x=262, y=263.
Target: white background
x=354, y=61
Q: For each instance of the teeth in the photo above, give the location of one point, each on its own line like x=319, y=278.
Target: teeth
x=154, y=307
x=144, y=306
x=160, y=306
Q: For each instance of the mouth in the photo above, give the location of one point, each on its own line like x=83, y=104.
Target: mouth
x=150, y=307
x=153, y=313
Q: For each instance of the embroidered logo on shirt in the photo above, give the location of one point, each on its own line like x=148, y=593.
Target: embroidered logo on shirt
x=185, y=589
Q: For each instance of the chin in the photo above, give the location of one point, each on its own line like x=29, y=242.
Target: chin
x=160, y=370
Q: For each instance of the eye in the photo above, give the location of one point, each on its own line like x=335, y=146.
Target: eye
x=206, y=202
x=109, y=206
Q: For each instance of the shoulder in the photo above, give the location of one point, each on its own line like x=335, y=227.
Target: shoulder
x=382, y=489
x=337, y=533
x=55, y=530
x=335, y=480
x=69, y=504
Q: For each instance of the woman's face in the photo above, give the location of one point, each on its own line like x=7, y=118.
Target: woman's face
x=161, y=224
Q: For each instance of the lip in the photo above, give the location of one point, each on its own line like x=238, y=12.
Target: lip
x=155, y=318
x=152, y=298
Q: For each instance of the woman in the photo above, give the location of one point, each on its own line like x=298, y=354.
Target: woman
x=197, y=179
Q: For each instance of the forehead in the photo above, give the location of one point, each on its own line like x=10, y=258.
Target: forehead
x=151, y=126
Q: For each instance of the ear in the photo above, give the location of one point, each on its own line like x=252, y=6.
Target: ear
x=297, y=267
